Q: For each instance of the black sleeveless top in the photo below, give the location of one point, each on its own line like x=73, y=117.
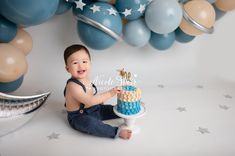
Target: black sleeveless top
x=79, y=83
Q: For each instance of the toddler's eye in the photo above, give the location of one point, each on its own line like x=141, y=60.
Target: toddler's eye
x=75, y=62
x=84, y=61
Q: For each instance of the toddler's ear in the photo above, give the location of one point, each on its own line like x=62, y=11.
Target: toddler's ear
x=67, y=68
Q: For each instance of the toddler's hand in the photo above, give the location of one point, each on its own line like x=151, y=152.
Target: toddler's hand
x=115, y=90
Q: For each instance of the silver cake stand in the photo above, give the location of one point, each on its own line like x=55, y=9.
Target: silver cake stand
x=129, y=120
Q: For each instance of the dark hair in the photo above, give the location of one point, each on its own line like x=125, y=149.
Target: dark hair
x=74, y=48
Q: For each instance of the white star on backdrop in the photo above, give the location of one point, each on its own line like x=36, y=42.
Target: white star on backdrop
x=141, y=8
x=80, y=4
x=127, y=12
x=95, y=8
x=112, y=11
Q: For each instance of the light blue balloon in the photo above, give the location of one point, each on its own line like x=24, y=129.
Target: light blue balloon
x=7, y=30
x=136, y=33
x=28, y=12
x=182, y=37
x=162, y=41
x=93, y=37
x=11, y=86
x=219, y=13
x=163, y=16
x=63, y=7
x=134, y=5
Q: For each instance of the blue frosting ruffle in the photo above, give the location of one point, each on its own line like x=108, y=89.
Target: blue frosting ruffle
x=128, y=108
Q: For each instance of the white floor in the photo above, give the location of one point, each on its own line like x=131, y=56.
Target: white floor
x=182, y=120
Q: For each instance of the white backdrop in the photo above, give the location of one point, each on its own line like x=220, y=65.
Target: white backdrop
x=209, y=55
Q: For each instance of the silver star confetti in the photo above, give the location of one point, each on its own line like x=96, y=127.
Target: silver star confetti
x=80, y=4
x=181, y=109
x=224, y=107
x=127, y=12
x=228, y=96
x=53, y=136
x=200, y=86
x=112, y=11
x=161, y=86
x=203, y=130
x=141, y=8
x=95, y=8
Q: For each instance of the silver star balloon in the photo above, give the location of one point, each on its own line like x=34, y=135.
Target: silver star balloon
x=11, y=106
x=15, y=111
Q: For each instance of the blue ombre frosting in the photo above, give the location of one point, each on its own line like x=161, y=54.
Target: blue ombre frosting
x=128, y=108
x=127, y=102
x=129, y=88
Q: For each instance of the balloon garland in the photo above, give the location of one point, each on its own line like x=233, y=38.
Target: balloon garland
x=101, y=23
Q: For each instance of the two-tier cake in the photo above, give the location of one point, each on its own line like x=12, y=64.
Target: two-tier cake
x=128, y=100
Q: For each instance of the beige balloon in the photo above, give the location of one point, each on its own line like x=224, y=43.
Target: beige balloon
x=23, y=41
x=13, y=63
x=202, y=12
x=225, y=5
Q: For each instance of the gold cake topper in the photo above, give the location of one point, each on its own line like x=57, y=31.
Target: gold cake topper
x=125, y=75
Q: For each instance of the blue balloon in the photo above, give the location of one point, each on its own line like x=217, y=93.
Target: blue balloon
x=182, y=37
x=162, y=41
x=63, y=7
x=163, y=16
x=219, y=13
x=137, y=8
x=7, y=30
x=28, y=12
x=11, y=86
x=94, y=37
x=136, y=33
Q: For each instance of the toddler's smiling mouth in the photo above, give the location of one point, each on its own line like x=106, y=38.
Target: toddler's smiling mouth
x=81, y=71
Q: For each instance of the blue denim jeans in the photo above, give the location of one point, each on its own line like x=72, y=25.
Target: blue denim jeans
x=89, y=120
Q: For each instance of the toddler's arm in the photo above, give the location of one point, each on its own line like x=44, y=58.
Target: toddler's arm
x=90, y=100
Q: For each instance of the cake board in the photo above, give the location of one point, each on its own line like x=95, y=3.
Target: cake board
x=129, y=120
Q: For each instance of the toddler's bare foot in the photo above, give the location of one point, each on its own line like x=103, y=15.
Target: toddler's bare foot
x=125, y=134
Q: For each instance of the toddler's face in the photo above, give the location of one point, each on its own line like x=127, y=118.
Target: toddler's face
x=78, y=64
